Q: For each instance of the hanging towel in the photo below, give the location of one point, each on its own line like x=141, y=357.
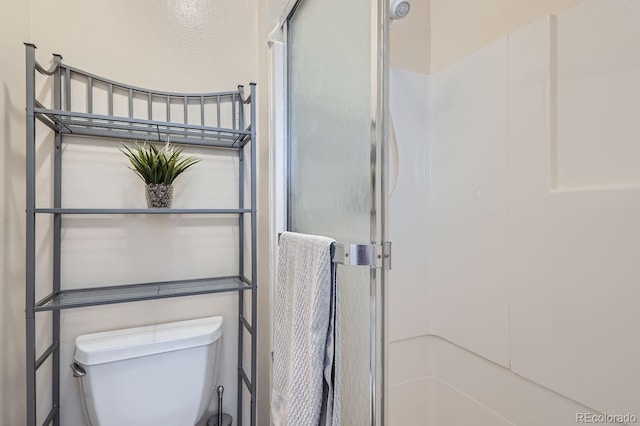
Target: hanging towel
x=306, y=338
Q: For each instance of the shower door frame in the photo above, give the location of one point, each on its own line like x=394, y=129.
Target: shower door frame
x=379, y=136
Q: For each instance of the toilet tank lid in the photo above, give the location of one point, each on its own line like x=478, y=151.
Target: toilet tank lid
x=117, y=345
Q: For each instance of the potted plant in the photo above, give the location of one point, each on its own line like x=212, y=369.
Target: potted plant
x=158, y=168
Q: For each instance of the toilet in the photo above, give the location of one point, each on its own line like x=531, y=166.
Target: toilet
x=155, y=375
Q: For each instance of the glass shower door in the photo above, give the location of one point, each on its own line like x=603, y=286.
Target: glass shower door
x=337, y=79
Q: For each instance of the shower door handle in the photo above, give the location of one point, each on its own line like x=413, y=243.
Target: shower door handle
x=378, y=256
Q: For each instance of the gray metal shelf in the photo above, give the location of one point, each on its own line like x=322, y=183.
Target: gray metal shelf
x=96, y=211
x=84, y=124
x=83, y=104
x=78, y=298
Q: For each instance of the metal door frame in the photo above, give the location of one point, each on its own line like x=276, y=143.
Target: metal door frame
x=379, y=119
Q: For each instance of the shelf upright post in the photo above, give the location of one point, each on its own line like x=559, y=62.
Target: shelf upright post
x=57, y=237
x=254, y=257
x=241, y=263
x=30, y=243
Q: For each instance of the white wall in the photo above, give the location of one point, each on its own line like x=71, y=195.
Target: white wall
x=461, y=27
x=172, y=45
x=14, y=27
x=439, y=33
x=410, y=39
x=266, y=236
x=526, y=203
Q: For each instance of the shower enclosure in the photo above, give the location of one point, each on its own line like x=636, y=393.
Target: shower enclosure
x=337, y=78
x=515, y=215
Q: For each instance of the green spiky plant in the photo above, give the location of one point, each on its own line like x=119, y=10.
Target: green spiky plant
x=157, y=165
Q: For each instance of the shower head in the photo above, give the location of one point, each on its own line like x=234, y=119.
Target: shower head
x=399, y=8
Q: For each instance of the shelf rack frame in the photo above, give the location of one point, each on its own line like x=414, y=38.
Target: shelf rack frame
x=66, y=121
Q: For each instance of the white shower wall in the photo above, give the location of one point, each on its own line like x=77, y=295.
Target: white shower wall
x=514, y=222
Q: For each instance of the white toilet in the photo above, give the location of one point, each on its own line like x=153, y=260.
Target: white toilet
x=156, y=375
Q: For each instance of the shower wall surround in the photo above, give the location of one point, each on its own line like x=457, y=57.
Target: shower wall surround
x=518, y=184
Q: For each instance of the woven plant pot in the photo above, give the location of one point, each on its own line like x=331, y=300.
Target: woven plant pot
x=159, y=195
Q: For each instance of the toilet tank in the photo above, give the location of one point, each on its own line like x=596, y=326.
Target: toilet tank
x=155, y=375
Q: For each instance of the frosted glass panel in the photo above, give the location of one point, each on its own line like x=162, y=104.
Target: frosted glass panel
x=330, y=189
x=330, y=118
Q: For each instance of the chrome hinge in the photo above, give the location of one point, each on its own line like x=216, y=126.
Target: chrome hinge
x=384, y=256
x=378, y=256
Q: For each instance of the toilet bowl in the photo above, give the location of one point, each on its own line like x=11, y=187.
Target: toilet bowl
x=156, y=375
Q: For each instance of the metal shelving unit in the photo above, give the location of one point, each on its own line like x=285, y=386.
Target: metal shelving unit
x=218, y=123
